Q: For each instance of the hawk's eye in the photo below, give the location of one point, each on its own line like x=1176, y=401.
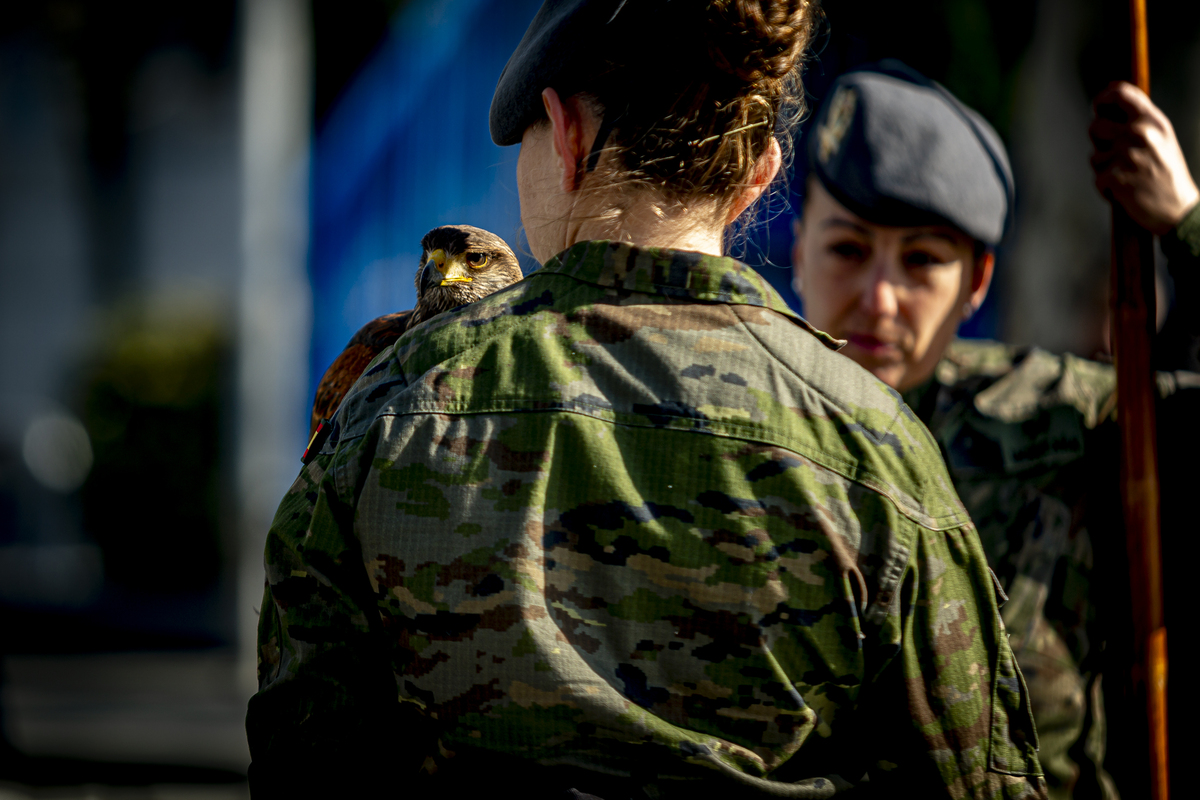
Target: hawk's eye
x=477, y=260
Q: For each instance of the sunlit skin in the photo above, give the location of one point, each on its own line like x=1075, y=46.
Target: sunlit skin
x=897, y=295
x=560, y=207
x=1137, y=159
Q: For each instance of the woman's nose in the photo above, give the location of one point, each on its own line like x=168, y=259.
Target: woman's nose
x=879, y=295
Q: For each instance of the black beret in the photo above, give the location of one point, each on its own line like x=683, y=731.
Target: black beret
x=896, y=148
x=563, y=39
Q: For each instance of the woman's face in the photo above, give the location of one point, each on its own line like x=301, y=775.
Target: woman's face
x=539, y=189
x=896, y=294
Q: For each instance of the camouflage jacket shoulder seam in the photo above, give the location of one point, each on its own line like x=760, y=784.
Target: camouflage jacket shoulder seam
x=748, y=432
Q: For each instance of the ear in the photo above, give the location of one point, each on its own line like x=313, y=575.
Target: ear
x=981, y=277
x=765, y=170
x=569, y=132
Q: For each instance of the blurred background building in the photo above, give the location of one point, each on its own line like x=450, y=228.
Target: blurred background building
x=201, y=201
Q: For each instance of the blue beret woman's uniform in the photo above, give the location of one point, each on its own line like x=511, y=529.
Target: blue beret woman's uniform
x=1029, y=437
x=1031, y=444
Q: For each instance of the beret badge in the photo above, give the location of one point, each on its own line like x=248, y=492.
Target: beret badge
x=833, y=128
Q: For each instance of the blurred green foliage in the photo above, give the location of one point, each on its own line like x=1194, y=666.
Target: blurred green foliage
x=976, y=74
x=152, y=405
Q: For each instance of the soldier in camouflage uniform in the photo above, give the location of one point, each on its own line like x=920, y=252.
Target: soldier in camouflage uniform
x=894, y=250
x=631, y=527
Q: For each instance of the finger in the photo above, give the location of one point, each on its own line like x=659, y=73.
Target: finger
x=1122, y=168
x=1107, y=94
x=1123, y=102
x=1108, y=91
x=1140, y=109
x=1131, y=98
x=1101, y=161
x=1124, y=177
x=1139, y=160
x=1110, y=103
x=1103, y=132
x=1112, y=181
x=1139, y=127
x=1109, y=187
x=1139, y=133
x=1119, y=147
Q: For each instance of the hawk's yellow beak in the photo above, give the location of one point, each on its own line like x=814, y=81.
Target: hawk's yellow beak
x=453, y=270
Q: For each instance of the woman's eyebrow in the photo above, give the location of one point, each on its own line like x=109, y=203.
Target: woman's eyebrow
x=837, y=222
x=949, y=237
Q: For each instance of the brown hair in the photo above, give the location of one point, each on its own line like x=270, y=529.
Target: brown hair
x=694, y=91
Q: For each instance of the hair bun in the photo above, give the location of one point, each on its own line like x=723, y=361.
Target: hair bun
x=758, y=40
x=692, y=93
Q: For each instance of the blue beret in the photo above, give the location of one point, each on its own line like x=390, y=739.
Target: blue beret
x=896, y=148
x=563, y=39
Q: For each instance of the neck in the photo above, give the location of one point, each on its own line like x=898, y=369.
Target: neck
x=646, y=222
x=698, y=241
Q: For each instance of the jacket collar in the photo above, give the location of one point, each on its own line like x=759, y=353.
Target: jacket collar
x=674, y=273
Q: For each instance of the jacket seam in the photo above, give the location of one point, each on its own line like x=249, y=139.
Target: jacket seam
x=846, y=469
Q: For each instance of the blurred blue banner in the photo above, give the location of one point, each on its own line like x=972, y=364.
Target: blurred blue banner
x=406, y=149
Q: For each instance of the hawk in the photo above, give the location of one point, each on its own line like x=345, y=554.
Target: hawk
x=459, y=265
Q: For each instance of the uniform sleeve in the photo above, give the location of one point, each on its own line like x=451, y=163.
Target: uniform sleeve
x=1187, y=234
x=954, y=717
x=1177, y=345
x=327, y=702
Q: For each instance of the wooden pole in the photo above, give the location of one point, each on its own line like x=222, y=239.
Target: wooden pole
x=1134, y=328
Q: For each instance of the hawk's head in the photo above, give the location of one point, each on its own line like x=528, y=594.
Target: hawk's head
x=459, y=265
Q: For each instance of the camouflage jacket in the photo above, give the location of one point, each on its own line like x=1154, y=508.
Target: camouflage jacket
x=633, y=515
x=1030, y=442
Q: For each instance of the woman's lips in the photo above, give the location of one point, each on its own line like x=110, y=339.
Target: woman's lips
x=873, y=345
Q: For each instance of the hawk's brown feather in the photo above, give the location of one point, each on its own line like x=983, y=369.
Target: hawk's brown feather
x=370, y=341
